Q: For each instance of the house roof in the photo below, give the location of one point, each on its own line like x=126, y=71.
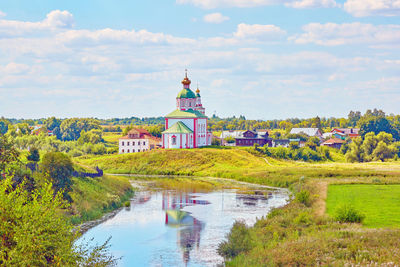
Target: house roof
x=334, y=141
x=307, y=131
x=346, y=131
x=178, y=127
x=190, y=113
x=233, y=134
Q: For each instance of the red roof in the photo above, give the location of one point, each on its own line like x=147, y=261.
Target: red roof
x=334, y=141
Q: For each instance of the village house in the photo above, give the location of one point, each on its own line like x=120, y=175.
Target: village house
x=186, y=127
x=334, y=142
x=232, y=134
x=138, y=140
x=343, y=133
x=311, y=132
x=249, y=138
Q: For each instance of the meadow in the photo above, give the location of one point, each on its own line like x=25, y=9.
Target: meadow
x=379, y=203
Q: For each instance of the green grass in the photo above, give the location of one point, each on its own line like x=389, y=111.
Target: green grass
x=93, y=197
x=239, y=164
x=379, y=203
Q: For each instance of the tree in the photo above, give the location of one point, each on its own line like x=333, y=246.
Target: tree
x=35, y=233
x=58, y=168
x=376, y=125
x=52, y=123
x=33, y=154
x=383, y=151
x=8, y=154
x=313, y=143
x=70, y=129
x=354, y=117
x=355, y=152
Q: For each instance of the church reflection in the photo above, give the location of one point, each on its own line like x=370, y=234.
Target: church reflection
x=189, y=228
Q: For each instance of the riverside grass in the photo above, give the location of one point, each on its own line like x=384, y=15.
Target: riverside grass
x=294, y=235
x=93, y=197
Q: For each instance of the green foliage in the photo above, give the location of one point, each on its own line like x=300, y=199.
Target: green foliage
x=304, y=197
x=376, y=124
x=58, y=168
x=8, y=154
x=70, y=129
x=93, y=136
x=33, y=155
x=35, y=233
x=239, y=241
x=230, y=139
x=348, y=214
x=372, y=148
x=215, y=142
x=313, y=142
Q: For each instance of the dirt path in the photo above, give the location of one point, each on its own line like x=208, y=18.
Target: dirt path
x=320, y=205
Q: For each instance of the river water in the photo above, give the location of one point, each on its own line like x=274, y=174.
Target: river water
x=172, y=228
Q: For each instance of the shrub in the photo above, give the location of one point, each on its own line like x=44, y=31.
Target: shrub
x=347, y=213
x=238, y=241
x=304, y=197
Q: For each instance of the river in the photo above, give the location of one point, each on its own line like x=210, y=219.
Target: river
x=180, y=228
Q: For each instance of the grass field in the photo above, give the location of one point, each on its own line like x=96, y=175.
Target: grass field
x=379, y=203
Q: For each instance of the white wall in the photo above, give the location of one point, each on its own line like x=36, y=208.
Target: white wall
x=133, y=146
x=181, y=140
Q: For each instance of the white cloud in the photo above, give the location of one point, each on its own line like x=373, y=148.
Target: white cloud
x=108, y=36
x=215, y=18
x=259, y=32
x=331, y=34
x=301, y=4
x=362, y=8
x=211, y=4
x=55, y=20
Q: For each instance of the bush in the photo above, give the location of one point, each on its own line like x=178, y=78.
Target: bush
x=238, y=241
x=304, y=197
x=348, y=214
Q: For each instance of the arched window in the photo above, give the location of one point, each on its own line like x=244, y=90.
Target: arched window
x=122, y=145
x=174, y=140
x=123, y=151
x=128, y=150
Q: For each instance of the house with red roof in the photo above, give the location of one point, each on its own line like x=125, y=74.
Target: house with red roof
x=138, y=140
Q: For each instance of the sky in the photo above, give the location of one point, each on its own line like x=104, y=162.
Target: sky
x=264, y=59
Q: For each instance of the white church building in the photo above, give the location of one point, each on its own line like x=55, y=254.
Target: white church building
x=186, y=127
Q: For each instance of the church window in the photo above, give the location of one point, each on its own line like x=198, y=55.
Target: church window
x=122, y=145
x=133, y=150
x=138, y=143
x=128, y=150
x=127, y=143
x=174, y=140
x=133, y=143
x=138, y=150
x=123, y=151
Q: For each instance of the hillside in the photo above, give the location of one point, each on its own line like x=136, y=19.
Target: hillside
x=237, y=164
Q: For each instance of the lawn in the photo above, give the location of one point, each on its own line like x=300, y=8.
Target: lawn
x=379, y=203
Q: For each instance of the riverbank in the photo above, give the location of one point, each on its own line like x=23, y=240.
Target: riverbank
x=94, y=197
x=301, y=233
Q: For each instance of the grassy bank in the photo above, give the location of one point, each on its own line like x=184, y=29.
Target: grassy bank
x=93, y=197
x=241, y=165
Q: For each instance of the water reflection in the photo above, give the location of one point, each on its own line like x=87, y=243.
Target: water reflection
x=171, y=228
x=189, y=228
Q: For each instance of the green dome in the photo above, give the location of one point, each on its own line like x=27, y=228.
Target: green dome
x=186, y=93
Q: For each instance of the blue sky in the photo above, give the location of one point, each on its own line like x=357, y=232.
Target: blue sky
x=265, y=59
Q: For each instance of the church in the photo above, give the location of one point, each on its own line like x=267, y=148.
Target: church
x=186, y=127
